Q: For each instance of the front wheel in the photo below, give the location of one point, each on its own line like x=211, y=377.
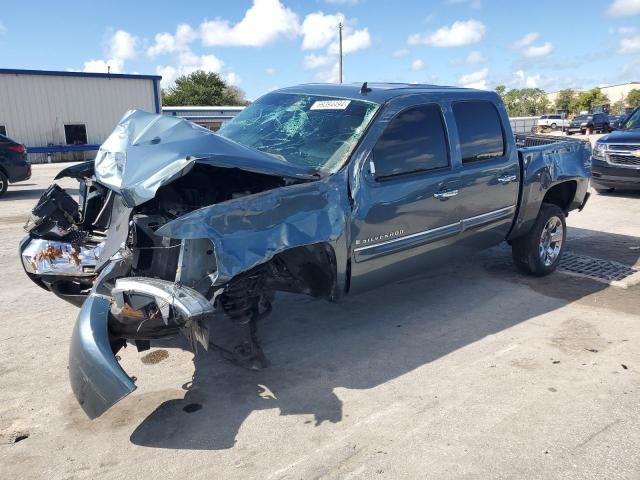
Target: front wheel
x=4, y=183
x=538, y=252
x=553, y=126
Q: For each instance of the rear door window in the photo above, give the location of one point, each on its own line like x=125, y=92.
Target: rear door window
x=480, y=131
x=414, y=141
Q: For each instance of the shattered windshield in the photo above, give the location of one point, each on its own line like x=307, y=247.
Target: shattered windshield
x=310, y=131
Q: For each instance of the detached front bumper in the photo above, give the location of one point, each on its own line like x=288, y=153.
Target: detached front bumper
x=143, y=308
x=97, y=379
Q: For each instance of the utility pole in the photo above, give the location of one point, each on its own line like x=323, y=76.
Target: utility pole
x=340, y=44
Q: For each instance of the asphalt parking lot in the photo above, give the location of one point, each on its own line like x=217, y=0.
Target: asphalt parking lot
x=469, y=371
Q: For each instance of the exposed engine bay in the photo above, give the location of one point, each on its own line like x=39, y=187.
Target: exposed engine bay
x=131, y=253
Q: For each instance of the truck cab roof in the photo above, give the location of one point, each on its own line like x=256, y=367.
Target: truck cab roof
x=375, y=92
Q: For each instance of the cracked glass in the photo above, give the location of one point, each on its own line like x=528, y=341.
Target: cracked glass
x=310, y=131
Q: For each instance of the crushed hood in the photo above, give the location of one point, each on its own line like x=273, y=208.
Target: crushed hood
x=147, y=151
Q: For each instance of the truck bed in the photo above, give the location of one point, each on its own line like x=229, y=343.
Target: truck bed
x=524, y=140
x=547, y=161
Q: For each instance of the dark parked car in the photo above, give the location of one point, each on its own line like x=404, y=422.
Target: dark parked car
x=14, y=163
x=616, y=157
x=322, y=190
x=597, y=122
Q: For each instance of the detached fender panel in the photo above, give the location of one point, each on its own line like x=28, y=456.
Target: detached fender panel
x=97, y=379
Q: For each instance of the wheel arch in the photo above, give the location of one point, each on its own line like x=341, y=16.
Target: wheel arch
x=562, y=195
x=307, y=269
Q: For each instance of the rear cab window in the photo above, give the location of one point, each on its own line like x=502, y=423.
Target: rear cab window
x=415, y=141
x=480, y=130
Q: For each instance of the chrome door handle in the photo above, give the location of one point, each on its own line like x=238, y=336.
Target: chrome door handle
x=507, y=178
x=446, y=194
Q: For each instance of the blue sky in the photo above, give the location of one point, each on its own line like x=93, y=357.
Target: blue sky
x=263, y=44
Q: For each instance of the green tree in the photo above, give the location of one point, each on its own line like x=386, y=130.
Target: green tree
x=501, y=90
x=633, y=98
x=202, y=88
x=564, y=100
x=525, y=102
x=588, y=100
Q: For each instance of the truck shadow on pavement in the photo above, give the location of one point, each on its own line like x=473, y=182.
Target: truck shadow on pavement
x=317, y=348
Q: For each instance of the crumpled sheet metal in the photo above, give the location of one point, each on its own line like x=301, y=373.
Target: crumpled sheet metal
x=146, y=151
x=249, y=231
x=544, y=167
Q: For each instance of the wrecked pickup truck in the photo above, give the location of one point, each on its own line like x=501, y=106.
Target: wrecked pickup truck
x=323, y=190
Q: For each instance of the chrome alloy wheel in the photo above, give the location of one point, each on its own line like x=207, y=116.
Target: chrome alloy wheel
x=551, y=241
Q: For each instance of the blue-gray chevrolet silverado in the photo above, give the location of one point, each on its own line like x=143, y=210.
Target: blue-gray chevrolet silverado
x=323, y=190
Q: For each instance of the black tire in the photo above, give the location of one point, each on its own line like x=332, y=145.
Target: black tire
x=4, y=183
x=553, y=126
x=527, y=250
x=569, y=133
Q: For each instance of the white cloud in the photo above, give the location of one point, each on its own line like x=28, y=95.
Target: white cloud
x=630, y=44
x=475, y=79
x=232, y=78
x=319, y=30
x=620, y=8
x=520, y=79
x=624, y=31
x=401, y=52
x=417, y=65
x=535, y=51
x=326, y=67
x=185, y=60
x=528, y=39
x=168, y=43
x=474, y=58
x=119, y=47
x=265, y=22
x=529, y=50
x=352, y=41
x=456, y=35
x=270, y=71
x=112, y=65
x=123, y=45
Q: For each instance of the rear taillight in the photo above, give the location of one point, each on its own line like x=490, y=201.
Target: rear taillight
x=17, y=148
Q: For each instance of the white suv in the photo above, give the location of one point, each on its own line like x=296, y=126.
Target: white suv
x=553, y=121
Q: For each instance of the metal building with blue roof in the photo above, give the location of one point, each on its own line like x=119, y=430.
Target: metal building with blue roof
x=63, y=115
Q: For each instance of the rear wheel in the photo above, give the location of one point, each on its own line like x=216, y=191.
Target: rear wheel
x=4, y=183
x=538, y=252
x=553, y=126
